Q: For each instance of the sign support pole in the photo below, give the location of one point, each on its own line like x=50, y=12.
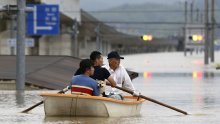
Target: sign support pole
x=20, y=57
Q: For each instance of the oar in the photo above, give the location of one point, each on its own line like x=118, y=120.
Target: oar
x=152, y=100
x=41, y=102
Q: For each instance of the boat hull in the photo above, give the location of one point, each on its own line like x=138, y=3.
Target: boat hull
x=80, y=105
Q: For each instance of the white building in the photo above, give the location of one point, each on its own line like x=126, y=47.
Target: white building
x=48, y=45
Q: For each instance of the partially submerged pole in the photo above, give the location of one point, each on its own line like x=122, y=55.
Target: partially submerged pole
x=20, y=58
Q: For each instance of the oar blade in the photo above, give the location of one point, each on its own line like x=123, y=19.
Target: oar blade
x=152, y=100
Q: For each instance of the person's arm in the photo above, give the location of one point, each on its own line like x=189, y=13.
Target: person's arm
x=111, y=81
x=71, y=82
x=127, y=80
x=95, y=89
x=109, y=77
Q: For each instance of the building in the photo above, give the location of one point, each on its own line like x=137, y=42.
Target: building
x=91, y=35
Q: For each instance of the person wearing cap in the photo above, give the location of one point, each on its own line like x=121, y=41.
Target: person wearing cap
x=119, y=74
x=83, y=83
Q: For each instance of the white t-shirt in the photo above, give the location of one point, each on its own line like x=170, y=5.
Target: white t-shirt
x=121, y=78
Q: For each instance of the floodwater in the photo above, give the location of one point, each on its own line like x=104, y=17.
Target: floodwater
x=185, y=84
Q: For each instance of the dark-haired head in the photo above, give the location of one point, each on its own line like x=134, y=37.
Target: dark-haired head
x=96, y=58
x=85, y=64
x=95, y=55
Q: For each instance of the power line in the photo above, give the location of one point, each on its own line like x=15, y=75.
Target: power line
x=115, y=22
x=145, y=28
x=130, y=11
x=122, y=22
x=144, y=11
x=135, y=22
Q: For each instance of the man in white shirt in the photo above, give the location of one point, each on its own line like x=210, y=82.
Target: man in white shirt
x=119, y=74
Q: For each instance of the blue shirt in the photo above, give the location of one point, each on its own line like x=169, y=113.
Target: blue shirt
x=84, y=80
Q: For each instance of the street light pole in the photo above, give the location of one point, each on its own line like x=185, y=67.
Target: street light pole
x=20, y=57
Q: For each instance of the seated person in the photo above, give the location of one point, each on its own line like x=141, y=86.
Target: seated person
x=83, y=83
x=100, y=74
x=119, y=74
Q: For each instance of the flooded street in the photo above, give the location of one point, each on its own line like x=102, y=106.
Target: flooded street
x=181, y=82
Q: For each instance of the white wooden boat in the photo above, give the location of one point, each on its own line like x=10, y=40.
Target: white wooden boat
x=82, y=105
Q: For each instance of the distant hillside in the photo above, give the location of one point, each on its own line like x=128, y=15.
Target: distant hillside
x=94, y=5
x=135, y=15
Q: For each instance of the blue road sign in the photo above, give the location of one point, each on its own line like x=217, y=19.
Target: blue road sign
x=44, y=20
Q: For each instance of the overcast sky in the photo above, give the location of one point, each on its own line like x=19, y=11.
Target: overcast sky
x=105, y=4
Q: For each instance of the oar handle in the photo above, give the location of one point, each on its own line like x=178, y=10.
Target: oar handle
x=152, y=100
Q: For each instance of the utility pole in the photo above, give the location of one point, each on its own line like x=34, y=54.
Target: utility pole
x=186, y=21
x=212, y=45
x=201, y=18
x=191, y=20
x=75, y=38
x=20, y=58
x=197, y=15
x=206, y=59
x=97, y=30
x=191, y=12
x=12, y=32
x=35, y=49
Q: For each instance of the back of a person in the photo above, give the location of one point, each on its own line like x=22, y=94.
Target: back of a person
x=83, y=80
x=83, y=83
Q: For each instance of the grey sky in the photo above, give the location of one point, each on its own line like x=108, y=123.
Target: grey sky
x=105, y=4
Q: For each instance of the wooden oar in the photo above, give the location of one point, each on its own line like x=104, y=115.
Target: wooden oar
x=41, y=102
x=152, y=100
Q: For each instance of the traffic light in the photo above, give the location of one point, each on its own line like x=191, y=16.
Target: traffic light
x=147, y=37
x=196, y=38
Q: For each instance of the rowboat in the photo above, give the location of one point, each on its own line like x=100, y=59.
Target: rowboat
x=84, y=105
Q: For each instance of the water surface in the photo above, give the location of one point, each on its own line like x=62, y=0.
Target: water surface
x=192, y=89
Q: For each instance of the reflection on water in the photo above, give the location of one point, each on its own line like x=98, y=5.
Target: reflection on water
x=80, y=120
x=20, y=98
x=193, y=74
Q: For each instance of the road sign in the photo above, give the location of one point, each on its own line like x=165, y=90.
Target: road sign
x=29, y=42
x=44, y=20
